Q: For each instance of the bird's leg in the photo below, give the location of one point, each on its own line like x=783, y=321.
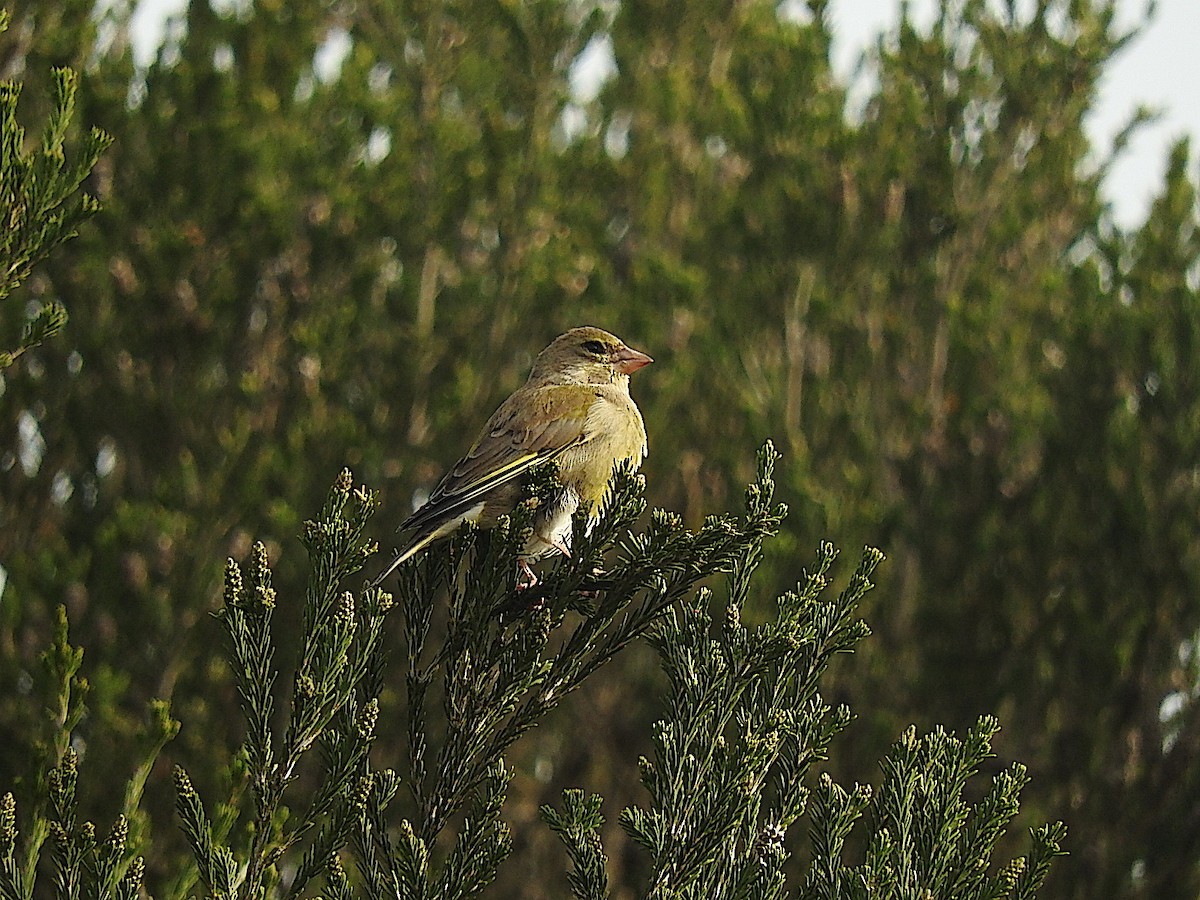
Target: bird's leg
x=527, y=577
x=560, y=545
x=601, y=583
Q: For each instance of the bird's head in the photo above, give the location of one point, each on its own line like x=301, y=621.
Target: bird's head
x=587, y=355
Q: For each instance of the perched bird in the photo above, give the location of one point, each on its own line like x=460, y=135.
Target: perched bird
x=575, y=409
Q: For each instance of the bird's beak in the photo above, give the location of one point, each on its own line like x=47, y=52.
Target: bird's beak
x=629, y=360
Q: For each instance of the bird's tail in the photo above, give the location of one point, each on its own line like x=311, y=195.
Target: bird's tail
x=407, y=553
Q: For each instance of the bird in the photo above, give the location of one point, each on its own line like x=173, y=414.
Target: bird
x=574, y=409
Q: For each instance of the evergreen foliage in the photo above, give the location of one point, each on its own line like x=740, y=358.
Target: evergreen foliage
x=745, y=724
x=40, y=203
x=81, y=866
x=334, y=232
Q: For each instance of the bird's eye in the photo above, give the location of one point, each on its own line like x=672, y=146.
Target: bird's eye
x=595, y=347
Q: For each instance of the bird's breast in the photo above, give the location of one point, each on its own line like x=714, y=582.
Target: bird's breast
x=618, y=436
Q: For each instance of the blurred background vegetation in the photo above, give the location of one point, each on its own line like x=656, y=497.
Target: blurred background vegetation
x=303, y=265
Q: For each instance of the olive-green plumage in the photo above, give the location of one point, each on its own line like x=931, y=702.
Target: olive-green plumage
x=575, y=409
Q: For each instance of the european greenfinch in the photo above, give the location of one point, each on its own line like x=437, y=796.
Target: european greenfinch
x=575, y=409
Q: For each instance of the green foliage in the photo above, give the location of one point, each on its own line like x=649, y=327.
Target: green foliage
x=82, y=866
x=40, y=203
x=503, y=670
x=926, y=840
x=108, y=869
x=744, y=725
x=576, y=827
x=923, y=297
x=334, y=706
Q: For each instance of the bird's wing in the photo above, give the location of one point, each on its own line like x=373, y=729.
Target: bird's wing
x=534, y=425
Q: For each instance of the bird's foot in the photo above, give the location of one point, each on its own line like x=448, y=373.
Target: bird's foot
x=526, y=577
x=601, y=584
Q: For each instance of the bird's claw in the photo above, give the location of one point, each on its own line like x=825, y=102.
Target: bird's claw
x=600, y=582
x=526, y=577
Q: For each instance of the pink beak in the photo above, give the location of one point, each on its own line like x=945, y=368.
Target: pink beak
x=629, y=360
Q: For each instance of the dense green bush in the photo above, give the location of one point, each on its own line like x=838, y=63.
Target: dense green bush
x=302, y=266
x=744, y=726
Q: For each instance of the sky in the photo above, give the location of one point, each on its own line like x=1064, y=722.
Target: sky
x=1160, y=69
